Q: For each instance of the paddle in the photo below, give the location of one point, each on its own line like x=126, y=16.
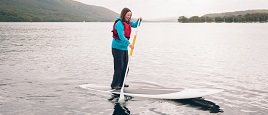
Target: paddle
x=121, y=98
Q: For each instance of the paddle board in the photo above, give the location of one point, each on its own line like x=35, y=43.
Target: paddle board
x=154, y=92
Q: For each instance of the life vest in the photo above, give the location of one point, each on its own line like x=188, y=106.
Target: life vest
x=127, y=30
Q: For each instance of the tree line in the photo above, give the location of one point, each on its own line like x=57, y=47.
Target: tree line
x=247, y=18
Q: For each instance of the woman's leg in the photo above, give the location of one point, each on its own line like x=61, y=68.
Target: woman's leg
x=125, y=62
x=118, y=56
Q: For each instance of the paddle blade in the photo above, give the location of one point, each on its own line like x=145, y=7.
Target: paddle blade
x=122, y=97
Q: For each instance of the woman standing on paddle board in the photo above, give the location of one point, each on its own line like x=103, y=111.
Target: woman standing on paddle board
x=120, y=43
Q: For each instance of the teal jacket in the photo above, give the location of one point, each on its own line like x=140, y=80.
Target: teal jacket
x=123, y=43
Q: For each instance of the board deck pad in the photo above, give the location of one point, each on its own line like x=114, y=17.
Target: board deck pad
x=154, y=92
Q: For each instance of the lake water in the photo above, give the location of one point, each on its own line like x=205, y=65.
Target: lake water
x=42, y=65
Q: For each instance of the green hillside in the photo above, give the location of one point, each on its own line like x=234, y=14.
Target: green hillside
x=236, y=13
x=249, y=16
x=52, y=11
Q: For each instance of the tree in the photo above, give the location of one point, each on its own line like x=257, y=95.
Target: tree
x=183, y=19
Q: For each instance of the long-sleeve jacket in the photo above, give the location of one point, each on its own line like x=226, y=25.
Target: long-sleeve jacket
x=123, y=43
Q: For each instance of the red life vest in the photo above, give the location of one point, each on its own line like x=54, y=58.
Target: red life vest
x=127, y=30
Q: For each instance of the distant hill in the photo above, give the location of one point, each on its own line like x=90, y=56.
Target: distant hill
x=53, y=11
x=211, y=15
x=249, y=16
x=236, y=13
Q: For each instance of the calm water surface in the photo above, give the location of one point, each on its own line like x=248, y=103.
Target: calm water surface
x=42, y=65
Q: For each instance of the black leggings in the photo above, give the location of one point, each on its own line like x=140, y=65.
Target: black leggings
x=120, y=65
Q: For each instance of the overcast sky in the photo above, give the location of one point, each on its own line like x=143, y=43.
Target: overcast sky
x=151, y=9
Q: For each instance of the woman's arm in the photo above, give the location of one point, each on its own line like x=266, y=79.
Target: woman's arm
x=135, y=24
x=120, y=30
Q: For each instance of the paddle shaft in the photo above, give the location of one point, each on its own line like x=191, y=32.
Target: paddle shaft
x=133, y=43
x=121, y=98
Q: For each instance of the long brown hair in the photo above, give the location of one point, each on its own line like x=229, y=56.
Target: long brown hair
x=124, y=12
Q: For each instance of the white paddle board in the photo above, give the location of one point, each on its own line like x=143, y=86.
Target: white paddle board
x=153, y=92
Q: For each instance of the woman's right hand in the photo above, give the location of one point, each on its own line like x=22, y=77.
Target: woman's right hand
x=131, y=46
x=140, y=19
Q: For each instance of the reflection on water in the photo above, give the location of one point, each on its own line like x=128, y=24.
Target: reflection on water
x=120, y=109
x=201, y=104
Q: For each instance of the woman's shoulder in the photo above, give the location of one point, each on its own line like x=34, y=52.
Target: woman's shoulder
x=119, y=23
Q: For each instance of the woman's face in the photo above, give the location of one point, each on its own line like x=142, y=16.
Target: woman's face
x=128, y=15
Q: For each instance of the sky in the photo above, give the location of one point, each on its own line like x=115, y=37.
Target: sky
x=154, y=9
